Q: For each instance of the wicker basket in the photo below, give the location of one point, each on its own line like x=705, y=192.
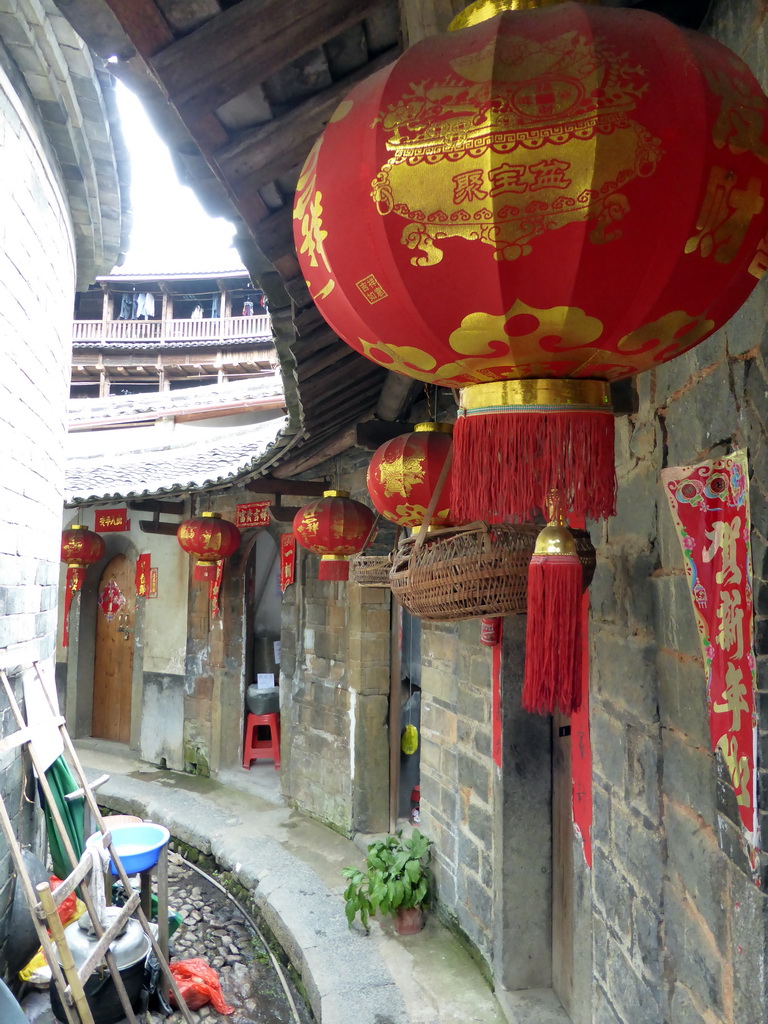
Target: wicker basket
x=473, y=571
x=370, y=570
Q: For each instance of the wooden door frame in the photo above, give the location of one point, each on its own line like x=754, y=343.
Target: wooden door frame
x=523, y=824
x=78, y=705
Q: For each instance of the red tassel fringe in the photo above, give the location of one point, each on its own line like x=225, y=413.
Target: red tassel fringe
x=336, y=569
x=553, y=635
x=75, y=580
x=505, y=465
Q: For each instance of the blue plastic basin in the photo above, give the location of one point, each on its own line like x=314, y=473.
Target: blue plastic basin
x=138, y=846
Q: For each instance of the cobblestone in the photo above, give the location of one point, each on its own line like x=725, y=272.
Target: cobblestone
x=215, y=929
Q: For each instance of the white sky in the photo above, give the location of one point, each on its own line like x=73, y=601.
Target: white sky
x=171, y=231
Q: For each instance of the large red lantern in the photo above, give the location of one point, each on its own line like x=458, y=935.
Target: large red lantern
x=209, y=537
x=334, y=527
x=80, y=547
x=528, y=208
x=403, y=474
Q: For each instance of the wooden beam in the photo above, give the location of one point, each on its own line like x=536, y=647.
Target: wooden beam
x=169, y=508
x=144, y=25
x=283, y=513
x=260, y=155
x=153, y=526
x=302, y=463
x=374, y=433
x=246, y=44
x=271, y=485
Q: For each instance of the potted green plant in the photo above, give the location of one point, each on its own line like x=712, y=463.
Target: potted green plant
x=395, y=881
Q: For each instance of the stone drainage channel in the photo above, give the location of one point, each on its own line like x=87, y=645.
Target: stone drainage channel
x=217, y=928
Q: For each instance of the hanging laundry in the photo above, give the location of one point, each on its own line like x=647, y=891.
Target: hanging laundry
x=127, y=307
x=247, y=308
x=145, y=306
x=197, y=312
x=215, y=305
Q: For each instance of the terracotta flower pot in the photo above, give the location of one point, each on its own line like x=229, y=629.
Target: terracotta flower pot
x=409, y=920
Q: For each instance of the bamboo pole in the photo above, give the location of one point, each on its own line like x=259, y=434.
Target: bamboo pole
x=76, y=991
x=99, y=819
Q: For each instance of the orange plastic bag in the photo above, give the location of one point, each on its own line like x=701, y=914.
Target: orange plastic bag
x=68, y=905
x=198, y=984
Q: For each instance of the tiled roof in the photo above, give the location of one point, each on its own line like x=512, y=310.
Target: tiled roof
x=259, y=341
x=156, y=462
x=129, y=272
x=82, y=411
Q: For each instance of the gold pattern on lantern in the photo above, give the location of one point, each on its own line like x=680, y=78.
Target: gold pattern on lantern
x=371, y=289
x=414, y=515
x=725, y=215
x=308, y=210
x=673, y=334
x=503, y=163
x=740, y=123
x=310, y=522
x=511, y=346
x=400, y=475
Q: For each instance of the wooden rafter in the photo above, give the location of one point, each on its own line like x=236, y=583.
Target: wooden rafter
x=246, y=44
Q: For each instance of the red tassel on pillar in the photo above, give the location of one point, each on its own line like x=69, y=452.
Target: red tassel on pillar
x=517, y=441
x=74, y=583
x=333, y=567
x=553, y=667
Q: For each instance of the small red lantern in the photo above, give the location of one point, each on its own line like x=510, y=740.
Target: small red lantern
x=334, y=527
x=404, y=472
x=209, y=537
x=80, y=547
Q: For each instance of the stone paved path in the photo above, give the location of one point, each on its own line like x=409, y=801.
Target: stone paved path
x=215, y=929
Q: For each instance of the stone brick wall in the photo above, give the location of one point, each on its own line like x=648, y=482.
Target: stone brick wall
x=457, y=773
x=679, y=928
x=36, y=294
x=37, y=281
x=334, y=683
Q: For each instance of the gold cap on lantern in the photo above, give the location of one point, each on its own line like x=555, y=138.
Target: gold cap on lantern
x=335, y=494
x=555, y=538
x=210, y=515
x=433, y=428
x=484, y=10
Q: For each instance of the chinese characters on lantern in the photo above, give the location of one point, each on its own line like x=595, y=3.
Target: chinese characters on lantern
x=710, y=504
x=111, y=520
x=254, y=514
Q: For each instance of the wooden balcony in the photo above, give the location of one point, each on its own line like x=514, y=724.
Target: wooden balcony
x=214, y=330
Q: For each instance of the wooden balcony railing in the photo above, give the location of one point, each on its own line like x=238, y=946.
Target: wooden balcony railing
x=215, y=330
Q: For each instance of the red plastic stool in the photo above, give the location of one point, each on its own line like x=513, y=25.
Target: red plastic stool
x=255, y=747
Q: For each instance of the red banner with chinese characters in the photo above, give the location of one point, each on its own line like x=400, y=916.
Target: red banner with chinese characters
x=111, y=520
x=152, y=582
x=287, y=560
x=254, y=514
x=142, y=574
x=710, y=505
x=212, y=574
x=75, y=580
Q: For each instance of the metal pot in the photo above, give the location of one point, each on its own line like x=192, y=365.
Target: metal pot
x=130, y=950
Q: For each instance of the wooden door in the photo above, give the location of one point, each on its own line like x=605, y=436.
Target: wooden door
x=562, y=862
x=113, y=663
